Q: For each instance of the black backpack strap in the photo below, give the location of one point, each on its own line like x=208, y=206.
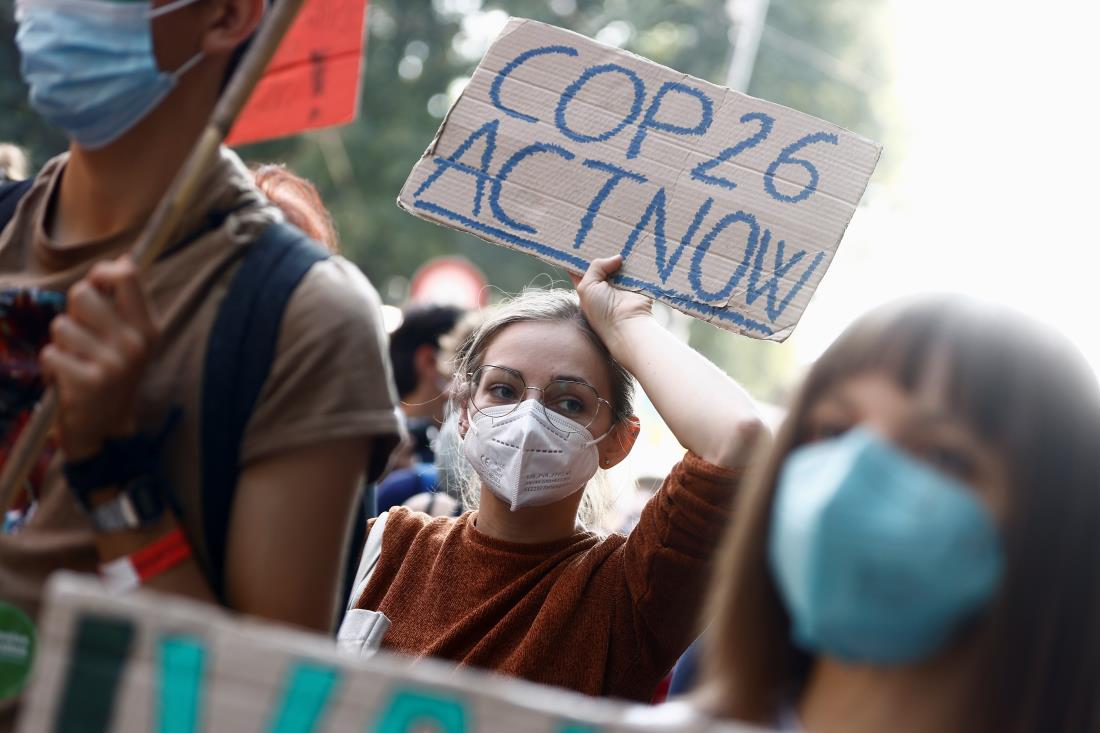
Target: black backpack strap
x=239, y=355
x=11, y=193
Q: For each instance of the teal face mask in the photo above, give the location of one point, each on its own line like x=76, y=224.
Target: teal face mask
x=90, y=64
x=878, y=557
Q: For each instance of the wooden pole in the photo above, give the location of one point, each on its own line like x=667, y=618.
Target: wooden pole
x=178, y=200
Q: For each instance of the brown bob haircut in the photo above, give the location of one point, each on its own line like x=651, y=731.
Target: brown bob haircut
x=1031, y=395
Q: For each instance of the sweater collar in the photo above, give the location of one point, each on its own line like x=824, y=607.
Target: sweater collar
x=470, y=533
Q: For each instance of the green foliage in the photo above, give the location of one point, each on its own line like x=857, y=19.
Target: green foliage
x=821, y=57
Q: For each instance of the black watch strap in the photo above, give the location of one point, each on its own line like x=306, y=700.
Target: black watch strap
x=115, y=466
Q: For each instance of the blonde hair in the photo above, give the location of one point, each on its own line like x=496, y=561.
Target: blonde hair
x=537, y=305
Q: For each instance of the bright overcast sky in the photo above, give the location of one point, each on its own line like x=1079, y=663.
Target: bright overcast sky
x=998, y=192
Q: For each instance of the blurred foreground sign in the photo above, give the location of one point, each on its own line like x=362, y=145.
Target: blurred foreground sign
x=313, y=80
x=145, y=663
x=724, y=206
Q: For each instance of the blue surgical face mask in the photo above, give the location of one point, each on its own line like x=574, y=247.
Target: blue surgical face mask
x=878, y=557
x=90, y=64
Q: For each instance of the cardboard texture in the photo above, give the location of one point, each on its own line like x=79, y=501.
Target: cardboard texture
x=147, y=662
x=313, y=80
x=726, y=207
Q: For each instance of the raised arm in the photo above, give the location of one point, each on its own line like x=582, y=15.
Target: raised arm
x=709, y=413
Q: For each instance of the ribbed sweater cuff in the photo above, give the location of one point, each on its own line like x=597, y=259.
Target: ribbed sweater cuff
x=714, y=484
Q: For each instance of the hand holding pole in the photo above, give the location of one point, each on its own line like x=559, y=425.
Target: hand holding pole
x=177, y=200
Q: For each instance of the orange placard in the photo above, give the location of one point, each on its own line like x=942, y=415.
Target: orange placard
x=313, y=80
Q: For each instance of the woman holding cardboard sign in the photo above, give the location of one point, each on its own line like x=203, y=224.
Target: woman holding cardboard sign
x=520, y=586
x=923, y=550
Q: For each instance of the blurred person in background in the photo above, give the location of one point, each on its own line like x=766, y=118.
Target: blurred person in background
x=13, y=163
x=631, y=506
x=422, y=382
x=436, y=488
x=299, y=201
x=545, y=402
x=433, y=503
x=409, y=478
x=451, y=466
x=922, y=552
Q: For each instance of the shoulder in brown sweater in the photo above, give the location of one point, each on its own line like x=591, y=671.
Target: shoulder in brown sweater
x=603, y=616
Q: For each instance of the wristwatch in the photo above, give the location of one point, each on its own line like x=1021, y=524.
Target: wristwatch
x=139, y=504
x=132, y=466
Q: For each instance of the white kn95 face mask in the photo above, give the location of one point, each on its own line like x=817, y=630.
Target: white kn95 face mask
x=525, y=459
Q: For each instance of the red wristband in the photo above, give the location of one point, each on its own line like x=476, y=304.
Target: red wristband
x=129, y=572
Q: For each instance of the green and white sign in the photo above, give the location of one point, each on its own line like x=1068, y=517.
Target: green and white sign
x=16, y=650
x=144, y=662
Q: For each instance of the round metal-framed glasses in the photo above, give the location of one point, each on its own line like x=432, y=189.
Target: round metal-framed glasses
x=496, y=391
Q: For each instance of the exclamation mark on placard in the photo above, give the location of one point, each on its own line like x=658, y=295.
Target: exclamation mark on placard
x=317, y=60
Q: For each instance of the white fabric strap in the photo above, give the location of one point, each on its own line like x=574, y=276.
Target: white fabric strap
x=372, y=550
x=188, y=65
x=362, y=631
x=170, y=7
x=119, y=576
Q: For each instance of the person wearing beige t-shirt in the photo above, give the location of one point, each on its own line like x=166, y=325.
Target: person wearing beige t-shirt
x=127, y=352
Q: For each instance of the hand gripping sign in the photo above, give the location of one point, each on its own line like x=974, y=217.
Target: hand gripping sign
x=726, y=207
x=146, y=662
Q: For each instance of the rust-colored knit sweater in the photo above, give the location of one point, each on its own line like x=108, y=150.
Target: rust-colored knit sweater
x=600, y=616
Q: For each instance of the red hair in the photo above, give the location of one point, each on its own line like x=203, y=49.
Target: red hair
x=299, y=201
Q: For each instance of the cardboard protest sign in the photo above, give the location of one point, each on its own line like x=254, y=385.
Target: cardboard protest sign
x=726, y=207
x=146, y=662
x=313, y=80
